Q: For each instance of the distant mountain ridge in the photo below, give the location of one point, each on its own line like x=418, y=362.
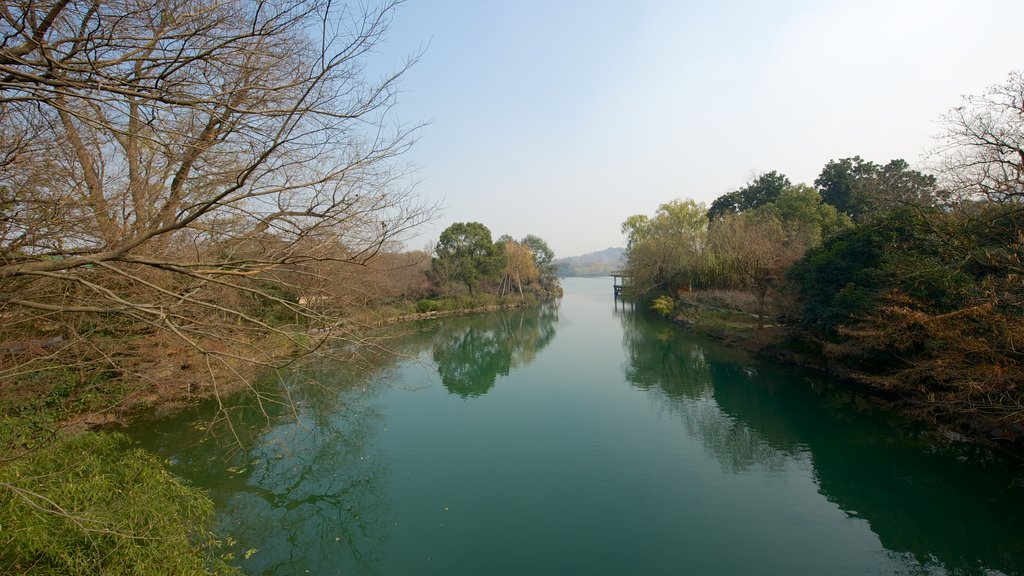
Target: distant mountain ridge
x=600, y=263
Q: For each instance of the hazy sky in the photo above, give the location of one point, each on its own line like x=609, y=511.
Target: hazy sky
x=562, y=118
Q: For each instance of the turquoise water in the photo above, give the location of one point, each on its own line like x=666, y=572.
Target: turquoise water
x=582, y=438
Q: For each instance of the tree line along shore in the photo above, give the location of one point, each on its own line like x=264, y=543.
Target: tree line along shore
x=908, y=282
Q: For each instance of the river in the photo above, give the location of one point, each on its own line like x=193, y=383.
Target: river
x=581, y=437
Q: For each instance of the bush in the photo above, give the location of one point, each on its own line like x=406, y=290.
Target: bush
x=930, y=305
x=428, y=306
x=663, y=305
x=93, y=504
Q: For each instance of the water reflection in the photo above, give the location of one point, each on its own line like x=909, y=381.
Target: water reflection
x=341, y=471
x=936, y=506
x=302, y=487
x=294, y=472
x=472, y=351
x=680, y=373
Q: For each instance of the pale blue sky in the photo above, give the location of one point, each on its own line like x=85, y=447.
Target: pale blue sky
x=563, y=118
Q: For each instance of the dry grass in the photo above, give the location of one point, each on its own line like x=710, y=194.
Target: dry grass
x=730, y=300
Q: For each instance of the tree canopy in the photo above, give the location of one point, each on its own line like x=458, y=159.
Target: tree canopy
x=543, y=258
x=465, y=249
x=863, y=189
x=465, y=253
x=762, y=190
x=663, y=250
x=174, y=170
x=804, y=212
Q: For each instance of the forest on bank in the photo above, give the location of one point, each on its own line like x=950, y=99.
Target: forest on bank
x=907, y=281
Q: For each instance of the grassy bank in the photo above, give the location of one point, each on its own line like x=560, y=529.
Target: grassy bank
x=93, y=504
x=74, y=501
x=441, y=306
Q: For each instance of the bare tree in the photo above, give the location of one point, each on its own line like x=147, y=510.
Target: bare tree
x=982, y=150
x=176, y=168
x=756, y=251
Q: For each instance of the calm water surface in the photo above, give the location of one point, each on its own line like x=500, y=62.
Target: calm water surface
x=585, y=439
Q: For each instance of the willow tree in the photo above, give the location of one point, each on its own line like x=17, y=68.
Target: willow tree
x=520, y=267
x=173, y=169
x=664, y=252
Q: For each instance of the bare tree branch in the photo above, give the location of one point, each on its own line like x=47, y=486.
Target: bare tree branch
x=211, y=174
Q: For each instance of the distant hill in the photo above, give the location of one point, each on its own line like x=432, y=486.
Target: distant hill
x=592, y=264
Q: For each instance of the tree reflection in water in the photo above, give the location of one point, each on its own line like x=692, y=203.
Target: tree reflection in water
x=301, y=480
x=302, y=485
x=306, y=488
x=472, y=351
x=679, y=373
x=936, y=506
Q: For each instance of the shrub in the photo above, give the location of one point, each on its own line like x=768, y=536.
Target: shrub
x=93, y=504
x=428, y=306
x=663, y=305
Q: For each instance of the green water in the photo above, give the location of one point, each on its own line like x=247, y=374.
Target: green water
x=585, y=439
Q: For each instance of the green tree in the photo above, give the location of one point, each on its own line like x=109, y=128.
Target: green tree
x=762, y=190
x=664, y=252
x=927, y=303
x=801, y=209
x=682, y=216
x=896, y=185
x=543, y=258
x=837, y=183
x=636, y=228
x=749, y=250
x=467, y=254
x=543, y=255
x=864, y=190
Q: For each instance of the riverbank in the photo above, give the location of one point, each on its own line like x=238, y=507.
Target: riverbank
x=66, y=503
x=106, y=488
x=170, y=377
x=643, y=408
x=437, y=308
x=790, y=345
